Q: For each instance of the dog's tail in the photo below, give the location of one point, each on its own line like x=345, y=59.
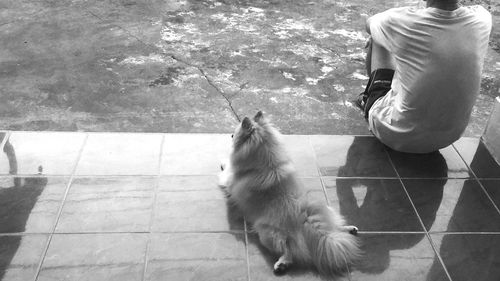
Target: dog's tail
x=331, y=250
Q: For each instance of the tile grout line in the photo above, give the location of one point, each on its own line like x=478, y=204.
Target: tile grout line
x=311, y=146
x=158, y=176
x=126, y=232
x=321, y=180
x=466, y=233
x=153, y=207
x=34, y=176
x=477, y=180
x=214, y=175
x=390, y=232
x=488, y=195
x=160, y=133
x=160, y=157
x=59, y=212
x=403, y=178
x=202, y=259
x=431, y=242
x=434, y=248
x=237, y=232
x=325, y=194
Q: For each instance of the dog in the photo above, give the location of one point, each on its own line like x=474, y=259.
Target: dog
x=259, y=179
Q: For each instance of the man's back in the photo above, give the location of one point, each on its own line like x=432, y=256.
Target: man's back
x=439, y=58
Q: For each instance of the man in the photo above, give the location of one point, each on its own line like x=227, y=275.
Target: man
x=434, y=58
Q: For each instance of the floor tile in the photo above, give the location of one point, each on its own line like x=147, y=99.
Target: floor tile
x=348, y=156
x=261, y=263
x=477, y=156
x=30, y=204
x=106, y=257
x=30, y=153
x=194, y=270
x=120, y=154
x=442, y=164
x=492, y=187
x=470, y=256
x=453, y=205
x=194, y=154
x=197, y=256
x=187, y=183
x=203, y=246
x=202, y=210
x=108, y=204
x=302, y=154
x=314, y=190
x=20, y=256
x=196, y=203
x=396, y=257
x=372, y=204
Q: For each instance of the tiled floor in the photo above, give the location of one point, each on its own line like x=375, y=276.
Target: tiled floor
x=99, y=206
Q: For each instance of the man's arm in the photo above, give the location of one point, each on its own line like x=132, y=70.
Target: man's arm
x=380, y=27
x=367, y=26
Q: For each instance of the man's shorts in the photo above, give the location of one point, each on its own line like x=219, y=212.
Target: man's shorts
x=377, y=87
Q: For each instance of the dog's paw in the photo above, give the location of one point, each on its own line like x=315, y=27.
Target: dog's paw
x=353, y=230
x=224, y=178
x=280, y=268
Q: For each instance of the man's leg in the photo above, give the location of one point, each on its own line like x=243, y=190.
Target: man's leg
x=380, y=66
x=368, y=59
x=377, y=57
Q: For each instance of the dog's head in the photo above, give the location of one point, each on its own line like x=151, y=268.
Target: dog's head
x=251, y=133
x=249, y=130
x=255, y=141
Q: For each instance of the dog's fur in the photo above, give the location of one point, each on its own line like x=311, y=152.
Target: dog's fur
x=259, y=179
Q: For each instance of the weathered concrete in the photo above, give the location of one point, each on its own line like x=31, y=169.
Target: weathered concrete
x=194, y=66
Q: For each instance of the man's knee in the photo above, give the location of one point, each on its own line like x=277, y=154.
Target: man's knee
x=381, y=58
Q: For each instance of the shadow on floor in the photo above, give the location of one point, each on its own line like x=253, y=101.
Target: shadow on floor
x=382, y=207
x=470, y=256
x=16, y=203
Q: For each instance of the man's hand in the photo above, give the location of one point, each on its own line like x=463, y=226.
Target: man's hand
x=368, y=43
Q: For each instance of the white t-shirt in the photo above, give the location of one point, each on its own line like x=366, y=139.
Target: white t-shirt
x=439, y=58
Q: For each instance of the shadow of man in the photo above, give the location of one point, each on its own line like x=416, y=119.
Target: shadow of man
x=470, y=256
x=384, y=206
x=16, y=203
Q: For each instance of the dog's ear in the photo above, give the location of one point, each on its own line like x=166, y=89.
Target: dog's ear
x=246, y=124
x=259, y=117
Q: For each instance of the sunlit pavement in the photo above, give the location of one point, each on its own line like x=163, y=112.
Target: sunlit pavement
x=135, y=206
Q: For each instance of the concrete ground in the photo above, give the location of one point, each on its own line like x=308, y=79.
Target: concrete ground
x=194, y=66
